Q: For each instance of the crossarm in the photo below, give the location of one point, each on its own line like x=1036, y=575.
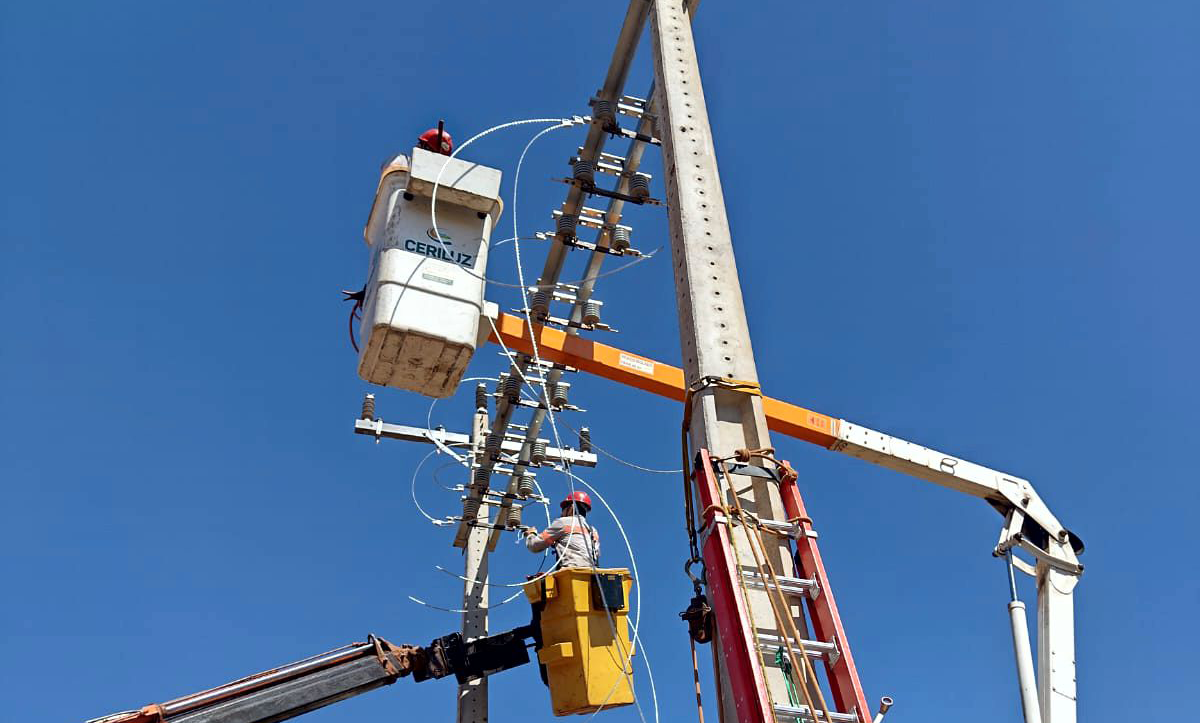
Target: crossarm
x=1005, y=492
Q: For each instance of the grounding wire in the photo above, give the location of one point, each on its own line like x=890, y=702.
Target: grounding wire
x=566, y=466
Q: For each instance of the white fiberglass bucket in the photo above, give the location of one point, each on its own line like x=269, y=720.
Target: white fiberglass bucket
x=423, y=297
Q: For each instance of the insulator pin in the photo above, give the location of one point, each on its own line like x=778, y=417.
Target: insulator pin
x=525, y=485
x=585, y=440
x=618, y=240
x=639, y=186
x=368, y=407
x=591, y=314
x=537, y=452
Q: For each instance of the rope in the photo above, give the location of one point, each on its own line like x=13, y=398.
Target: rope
x=696, y=680
x=787, y=626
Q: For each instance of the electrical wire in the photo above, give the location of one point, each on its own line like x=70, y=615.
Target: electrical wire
x=437, y=182
x=433, y=520
x=566, y=467
x=637, y=583
x=505, y=601
x=627, y=463
x=560, y=123
x=637, y=618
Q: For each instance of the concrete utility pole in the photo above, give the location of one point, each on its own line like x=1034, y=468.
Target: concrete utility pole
x=714, y=336
x=473, y=695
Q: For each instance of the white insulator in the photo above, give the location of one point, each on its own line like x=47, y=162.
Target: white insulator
x=540, y=305
x=639, y=186
x=512, y=389
x=604, y=112
x=537, y=452
x=585, y=172
x=483, y=478
x=566, y=225
x=591, y=313
x=514, y=517
x=618, y=240
x=525, y=485
x=470, y=508
x=558, y=394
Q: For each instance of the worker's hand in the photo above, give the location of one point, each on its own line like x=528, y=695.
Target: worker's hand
x=527, y=531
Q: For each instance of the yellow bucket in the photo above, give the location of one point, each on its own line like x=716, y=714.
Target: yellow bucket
x=588, y=667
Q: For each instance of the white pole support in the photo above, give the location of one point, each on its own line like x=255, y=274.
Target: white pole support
x=1056, y=644
x=1026, y=680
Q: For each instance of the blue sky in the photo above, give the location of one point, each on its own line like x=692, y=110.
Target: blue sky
x=971, y=226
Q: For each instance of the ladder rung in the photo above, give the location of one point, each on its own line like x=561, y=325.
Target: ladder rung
x=801, y=712
x=813, y=648
x=788, y=585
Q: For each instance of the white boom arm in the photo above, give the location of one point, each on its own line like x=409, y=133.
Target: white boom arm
x=1029, y=525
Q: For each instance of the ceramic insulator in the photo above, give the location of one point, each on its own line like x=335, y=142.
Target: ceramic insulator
x=512, y=389
x=558, y=394
x=604, y=112
x=470, y=508
x=618, y=240
x=585, y=172
x=639, y=186
x=566, y=226
x=591, y=313
x=540, y=306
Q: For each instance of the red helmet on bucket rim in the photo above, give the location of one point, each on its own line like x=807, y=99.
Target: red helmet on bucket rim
x=429, y=141
x=579, y=497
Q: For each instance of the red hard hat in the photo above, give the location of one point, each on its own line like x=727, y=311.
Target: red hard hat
x=429, y=141
x=578, y=496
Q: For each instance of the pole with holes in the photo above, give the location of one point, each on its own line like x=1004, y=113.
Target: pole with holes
x=473, y=695
x=715, y=345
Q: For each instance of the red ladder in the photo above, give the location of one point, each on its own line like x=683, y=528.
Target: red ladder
x=739, y=639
